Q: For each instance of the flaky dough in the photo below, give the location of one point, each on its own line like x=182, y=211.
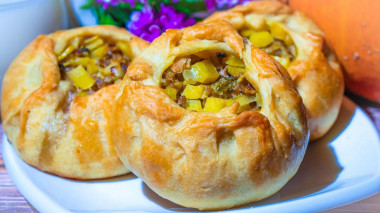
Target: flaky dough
x=73, y=143
x=317, y=75
x=209, y=160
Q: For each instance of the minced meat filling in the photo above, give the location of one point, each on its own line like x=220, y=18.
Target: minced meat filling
x=92, y=62
x=209, y=84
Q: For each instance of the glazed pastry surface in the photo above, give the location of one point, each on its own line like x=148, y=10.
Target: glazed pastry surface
x=55, y=123
x=312, y=66
x=201, y=158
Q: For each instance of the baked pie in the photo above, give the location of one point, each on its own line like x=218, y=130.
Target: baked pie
x=296, y=42
x=207, y=120
x=57, y=96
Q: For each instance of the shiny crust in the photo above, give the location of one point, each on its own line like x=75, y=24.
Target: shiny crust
x=317, y=76
x=73, y=144
x=209, y=160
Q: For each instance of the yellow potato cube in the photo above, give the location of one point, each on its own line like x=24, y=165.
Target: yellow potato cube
x=76, y=42
x=107, y=70
x=229, y=102
x=261, y=39
x=259, y=102
x=288, y=40
x=235, y=70
x=171, y=92
x=234, y=61
x=246, y=32
x=277, y=30
x=194, y=105
x=202, y=72
x=284, y=61
x=66, y=52
x=95, y=44
x=90, y=40
x=125, y=48
x=206, y=93
x=244, y=102
x=193, y=92
x=82, y=93
x=100, y=51
x=87, y=62
x=214, y=104
x=81, y=78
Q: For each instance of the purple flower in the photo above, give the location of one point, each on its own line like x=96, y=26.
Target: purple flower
x=149, y=24
x=213, y=4
x=106, y=3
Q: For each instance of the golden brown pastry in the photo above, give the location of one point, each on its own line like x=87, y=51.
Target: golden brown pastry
x=207, y=120
x=57, y=96
x=297, y=43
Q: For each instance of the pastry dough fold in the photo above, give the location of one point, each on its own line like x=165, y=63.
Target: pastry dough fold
x=209, y=160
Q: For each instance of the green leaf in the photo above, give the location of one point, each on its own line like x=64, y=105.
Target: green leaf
x=89, y=4
x=120, y=15
x=109, y=20
x=189, y=6
x=104, y=17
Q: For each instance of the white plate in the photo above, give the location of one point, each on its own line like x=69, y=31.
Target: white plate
x=340, y=168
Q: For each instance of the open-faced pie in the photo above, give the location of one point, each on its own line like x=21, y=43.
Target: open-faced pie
x=298, y=44
x=209, y=121
x=57, y=97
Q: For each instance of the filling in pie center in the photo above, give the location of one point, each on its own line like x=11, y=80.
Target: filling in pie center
x=209, y=82
x=93, y=62
x=273, y=39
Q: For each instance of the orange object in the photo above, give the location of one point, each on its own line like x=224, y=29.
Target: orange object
x=352, y=28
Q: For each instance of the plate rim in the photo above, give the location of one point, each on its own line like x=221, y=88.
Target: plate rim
x=368, y=187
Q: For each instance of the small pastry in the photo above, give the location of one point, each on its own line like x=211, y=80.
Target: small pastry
x=298, y=44
x=207, y=120
x=57, y=96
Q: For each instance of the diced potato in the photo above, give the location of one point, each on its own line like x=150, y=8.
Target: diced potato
x=284, y=61
x=100, y=51
x=82, y=93
x=177, y=85
x=202, y=72
x=214, y=104
x=244, y=102
x=81, y=78
x=90, y=40
x=235, y=70
x=193, y=92
x=277, y=30
x=229, y=102
x=259, y=102
x=125, y=48
x=66, y=52
x=107, y=70
x=171, y=92
x=87, y=62
x=194, y=105
x=246, y=32
x=206, y=93
x=95, y=44
x=234, y=61
x=117, y=71
x=288, y=40
x=261, y=39
x=76, y=42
